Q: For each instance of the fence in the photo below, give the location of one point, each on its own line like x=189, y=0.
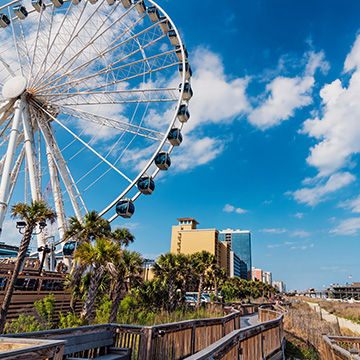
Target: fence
x=263, y=341
x=170, y=341
x=341, y=347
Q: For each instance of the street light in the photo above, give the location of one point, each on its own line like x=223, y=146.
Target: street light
x=21, y=225
x=45, y=250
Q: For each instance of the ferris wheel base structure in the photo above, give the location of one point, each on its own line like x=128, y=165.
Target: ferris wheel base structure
x=94, y=92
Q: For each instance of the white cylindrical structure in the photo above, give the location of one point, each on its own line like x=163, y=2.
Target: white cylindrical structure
x=9, y=161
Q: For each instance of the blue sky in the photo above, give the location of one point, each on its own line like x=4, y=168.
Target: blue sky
x=272, y=143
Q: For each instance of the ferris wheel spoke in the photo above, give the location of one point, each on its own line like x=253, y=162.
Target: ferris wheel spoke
x=86, y=145
x=112, y=123
x=56, y=155
x=89, y=43
x=90, y=97
x=21, y=45
x=51, y=43
x=41, y=43
x=128, y=45
x=70, y=35
x=129, y=72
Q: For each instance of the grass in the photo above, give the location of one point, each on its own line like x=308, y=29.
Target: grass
x=150, y=318
x=298, y=349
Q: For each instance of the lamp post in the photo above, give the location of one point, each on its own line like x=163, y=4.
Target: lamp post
x=21, y=225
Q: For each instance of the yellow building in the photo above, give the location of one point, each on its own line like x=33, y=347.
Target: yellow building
x=186, y=238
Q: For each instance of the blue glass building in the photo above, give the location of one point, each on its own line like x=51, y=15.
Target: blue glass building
x=240, y=243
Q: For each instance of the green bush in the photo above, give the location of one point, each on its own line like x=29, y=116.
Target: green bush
x=24, y=323
x=45, y=308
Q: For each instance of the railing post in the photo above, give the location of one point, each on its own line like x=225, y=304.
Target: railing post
x=262, y=345
x=145, y=345
x=223, y=327
x=193, y=334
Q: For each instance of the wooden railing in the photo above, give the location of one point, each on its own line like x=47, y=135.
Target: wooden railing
x=263, y=341
x=17, y=349
x=160, y=342
x=341, y=347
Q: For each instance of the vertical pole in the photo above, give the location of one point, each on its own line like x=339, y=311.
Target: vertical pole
x=10, y=153
x=193, y=337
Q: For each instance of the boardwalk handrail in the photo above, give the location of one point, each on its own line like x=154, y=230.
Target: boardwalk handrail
x=341, y=347
x=168, y=341
x=262, y=341
x=20, y=348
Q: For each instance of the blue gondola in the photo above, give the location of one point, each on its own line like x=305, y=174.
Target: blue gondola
x=20, y=11
x=146, y=185
x=173, y=38
x=175, y=137
x=38, y=5
x=188, y=92
x=165, y=25
x=183, y=113
x=153, y=13
x=179, y=54
x=162, y=160
x=69, y=248
x=125, y=208
x=57, y=3
x=140, y=6
x=188, y=71
x=126, y=3
x=4, y=20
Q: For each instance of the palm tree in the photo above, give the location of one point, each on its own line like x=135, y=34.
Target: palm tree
x=127, y=270
x=32, y=214
x=123, y=236
x=98, y=256
x=167, y=268
x=185, y=274
x=202, y=261
x=217, y=276
x=90, y=228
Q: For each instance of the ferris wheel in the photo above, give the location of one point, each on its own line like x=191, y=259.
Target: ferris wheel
x=94, y=97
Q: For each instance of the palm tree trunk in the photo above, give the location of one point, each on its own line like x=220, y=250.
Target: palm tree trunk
x=25, y=242
x=73, y=303
x=116, y=302
x=201, y=284
x=171, y=295
x=216, y=291
x=92, y=292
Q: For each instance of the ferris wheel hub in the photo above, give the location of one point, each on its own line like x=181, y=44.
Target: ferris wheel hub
x=14, y=87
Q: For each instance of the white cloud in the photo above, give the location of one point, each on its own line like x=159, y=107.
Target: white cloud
x=289, y=243
x=353, y=205
x=196, y=151
x=347, y=227
x=273, y=246
x=300, y=233
x=273, y=231
x=299, y=215
x=231, y=208
x=337, y=127
x=218, y=99
x=312, y=196
x=285, y=96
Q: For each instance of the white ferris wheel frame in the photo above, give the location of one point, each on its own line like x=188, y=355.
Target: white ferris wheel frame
x=10, y=166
